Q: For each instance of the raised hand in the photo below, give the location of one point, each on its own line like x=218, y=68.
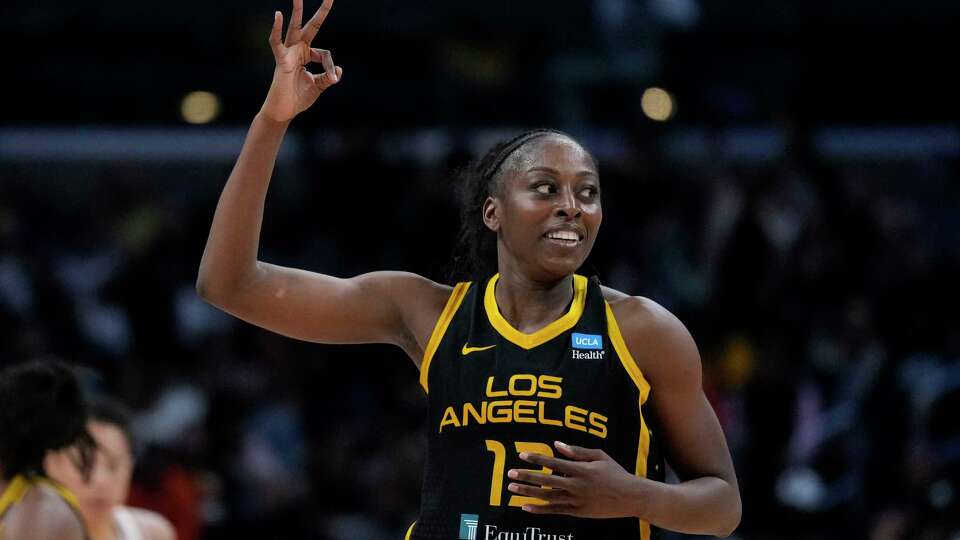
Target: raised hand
x=294, y=89
x=588, y=484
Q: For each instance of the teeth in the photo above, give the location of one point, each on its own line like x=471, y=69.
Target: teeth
x=564, y=235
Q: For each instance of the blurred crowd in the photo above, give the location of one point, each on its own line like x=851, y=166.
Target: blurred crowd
x=821, y=293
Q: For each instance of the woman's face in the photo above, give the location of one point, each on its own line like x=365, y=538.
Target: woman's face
x=109, y=478
x=547, y=211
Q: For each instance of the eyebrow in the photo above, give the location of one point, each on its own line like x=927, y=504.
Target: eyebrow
x=551, y=170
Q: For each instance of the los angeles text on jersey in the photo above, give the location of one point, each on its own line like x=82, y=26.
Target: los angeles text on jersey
x=547, y=410
x=492, y=532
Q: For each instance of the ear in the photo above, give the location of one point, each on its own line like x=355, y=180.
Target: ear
x=491, y=214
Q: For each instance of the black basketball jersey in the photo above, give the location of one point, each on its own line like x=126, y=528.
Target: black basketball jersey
x=494, y=392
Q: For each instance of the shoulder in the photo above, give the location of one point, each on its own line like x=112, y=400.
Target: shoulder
x=153, y=525
x=658, y=341
x=418, y=300
x=638, y=316
x=406, y=287
x=43, y=514
x=412, y=303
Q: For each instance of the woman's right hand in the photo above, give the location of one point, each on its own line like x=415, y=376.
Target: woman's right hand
x=294, y=89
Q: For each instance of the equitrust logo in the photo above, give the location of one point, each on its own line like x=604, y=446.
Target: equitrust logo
x=587, y=346
x=468, y=526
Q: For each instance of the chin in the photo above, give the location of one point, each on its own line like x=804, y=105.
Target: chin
x=559, y=268
x=98, y=510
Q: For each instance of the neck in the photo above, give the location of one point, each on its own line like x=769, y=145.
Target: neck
x=101, y=528
x=528, y=304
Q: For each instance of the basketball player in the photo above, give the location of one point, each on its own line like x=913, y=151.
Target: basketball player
x=101, y=498
x=550, y=396
x=41, y=409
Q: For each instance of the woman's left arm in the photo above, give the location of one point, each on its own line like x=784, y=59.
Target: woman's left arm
x=591, y=484
x=707, y=500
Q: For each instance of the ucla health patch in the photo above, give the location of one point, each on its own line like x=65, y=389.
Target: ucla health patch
x=587, y=341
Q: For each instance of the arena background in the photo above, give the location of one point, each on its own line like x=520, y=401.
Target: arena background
x=798, y=208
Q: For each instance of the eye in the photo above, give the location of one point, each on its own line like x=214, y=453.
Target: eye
x=590, y=191
x=545, y=188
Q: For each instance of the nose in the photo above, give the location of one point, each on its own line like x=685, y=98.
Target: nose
x=567, y=204
x=99, y=477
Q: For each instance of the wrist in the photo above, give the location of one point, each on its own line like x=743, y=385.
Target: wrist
x=263, y=117
x=643, y=497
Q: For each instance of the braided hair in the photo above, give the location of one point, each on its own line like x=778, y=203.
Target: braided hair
x=475, y=255
x=41, y=409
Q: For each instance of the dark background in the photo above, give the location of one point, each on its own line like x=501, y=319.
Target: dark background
x=800, y=213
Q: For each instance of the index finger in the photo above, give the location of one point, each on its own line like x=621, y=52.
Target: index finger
x=324, y=57
x=315, y=22
x=539, y=479
x=563, y=466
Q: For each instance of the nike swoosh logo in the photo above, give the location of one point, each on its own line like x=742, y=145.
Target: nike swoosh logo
x=467, y=350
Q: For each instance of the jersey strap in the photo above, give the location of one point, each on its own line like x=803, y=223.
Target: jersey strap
x=630, y=365
x=14, y=493
x=453, y=303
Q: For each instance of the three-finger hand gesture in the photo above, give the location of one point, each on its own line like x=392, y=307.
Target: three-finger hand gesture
x=589, y=484
x=294, y=88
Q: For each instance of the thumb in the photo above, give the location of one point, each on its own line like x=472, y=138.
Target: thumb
x=579, y=453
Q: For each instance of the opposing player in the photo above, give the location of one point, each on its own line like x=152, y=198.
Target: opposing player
x=41, y=409
x=101, y=498
x=527, y=363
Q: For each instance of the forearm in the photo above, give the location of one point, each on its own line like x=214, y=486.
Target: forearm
x=707, y=505
x=230, y=255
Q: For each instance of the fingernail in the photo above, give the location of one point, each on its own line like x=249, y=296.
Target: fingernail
x=511, y=486
x=524, y=455
x=512, y=473
x=526, y=507
x=560, y=444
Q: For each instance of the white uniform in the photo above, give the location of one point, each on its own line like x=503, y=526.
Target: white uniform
x=126, y=524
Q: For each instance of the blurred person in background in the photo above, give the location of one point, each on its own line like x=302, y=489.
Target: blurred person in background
x=41, y=409
x=102, y=497
x=531, y=214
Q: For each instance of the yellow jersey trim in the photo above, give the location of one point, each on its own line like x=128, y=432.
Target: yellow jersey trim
x=626, y=358
x=21, y=485
x=453, y=303
x=409, y=531
x=62, y=491
x=630, y=365
x=15, y=492
x=548, y=332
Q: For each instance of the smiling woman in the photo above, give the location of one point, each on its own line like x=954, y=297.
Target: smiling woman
x=535, y=154
x=522, y=361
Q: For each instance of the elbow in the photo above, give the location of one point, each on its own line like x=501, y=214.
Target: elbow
x=211, y=290
x=204, y=288
x=222, y=289
x=732, y=518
